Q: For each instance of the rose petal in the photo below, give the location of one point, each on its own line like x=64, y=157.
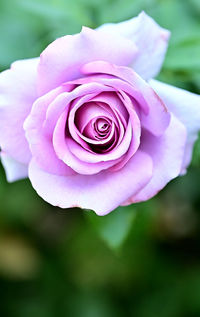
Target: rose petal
x=105, y=104
x=85, y=109
x=116, y=83
x=157, y=119
x=14, y=170
x=40, y=124
x=61, y=60
x=63, y=146
x=56, y=108
x=186, y=107
x=40, y=141
x=17, y=94
x=115, y=154
x=114, y=105
x=136, y=128
x=102, y=192
x=167, y=153
x=150, y=39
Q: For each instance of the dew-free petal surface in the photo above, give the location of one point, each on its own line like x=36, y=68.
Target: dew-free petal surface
x=150, y=39
x=17, y=94
x=186, y=107
x=14, y=170
x=167, y=154
x=61, y=60
x=102, y=192
x=156, y=119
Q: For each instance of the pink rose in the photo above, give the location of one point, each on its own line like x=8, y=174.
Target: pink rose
x=89, y=126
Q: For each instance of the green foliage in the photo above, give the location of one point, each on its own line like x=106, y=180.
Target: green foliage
x=196, y=153
x=114, y=227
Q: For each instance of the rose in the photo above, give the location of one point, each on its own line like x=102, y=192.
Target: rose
x=87, y=124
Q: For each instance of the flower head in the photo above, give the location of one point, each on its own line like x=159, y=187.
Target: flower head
x=87, y=123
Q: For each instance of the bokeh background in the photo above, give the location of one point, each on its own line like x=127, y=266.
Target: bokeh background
x=141, y=261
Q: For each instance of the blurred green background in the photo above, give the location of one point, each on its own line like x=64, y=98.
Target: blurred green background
x=141, y=261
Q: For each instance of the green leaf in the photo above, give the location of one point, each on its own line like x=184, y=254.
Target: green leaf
x=179, y=57
x=196, y=153
x=196, y=5
x=114, y=227
x=119, y=10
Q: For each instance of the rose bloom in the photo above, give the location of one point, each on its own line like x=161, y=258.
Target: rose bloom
x=87, y=123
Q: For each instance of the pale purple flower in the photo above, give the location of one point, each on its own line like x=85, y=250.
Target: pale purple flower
x=87, y=123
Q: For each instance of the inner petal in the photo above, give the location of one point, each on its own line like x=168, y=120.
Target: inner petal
x=102, y=125
x=89, y=111
x=93, y=123
x=91, y=137
x=98, y=124
x=98, y=128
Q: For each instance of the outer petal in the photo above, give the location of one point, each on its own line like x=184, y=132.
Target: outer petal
x=167, y=153
x=14, y=170
x=150, y=39
x=102, y=192
x=186, y=107
x=17, y=94
x=61, y=60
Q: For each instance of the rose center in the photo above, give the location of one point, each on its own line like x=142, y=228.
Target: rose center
x=102, y=127
x=97, y=126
